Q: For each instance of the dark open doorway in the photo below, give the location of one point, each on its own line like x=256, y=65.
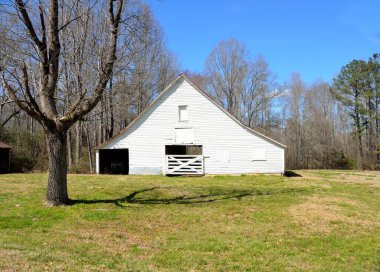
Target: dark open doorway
x=114, y=161
x=5, y=160
x=183, y=150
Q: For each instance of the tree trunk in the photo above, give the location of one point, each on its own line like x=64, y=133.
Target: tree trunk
x=78, y=143
x=359, y=139
x=112, y=120
x=56, y=193
x=360, y=163
x=101, y=118
x=69, y=149
x=89, y=149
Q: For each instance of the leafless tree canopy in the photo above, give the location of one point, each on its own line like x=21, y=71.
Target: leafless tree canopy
x=243, y=86
x=59, y=57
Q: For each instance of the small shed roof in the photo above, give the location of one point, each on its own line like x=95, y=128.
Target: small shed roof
x=5, y=146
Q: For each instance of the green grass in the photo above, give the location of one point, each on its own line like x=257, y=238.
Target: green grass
x=322, y=221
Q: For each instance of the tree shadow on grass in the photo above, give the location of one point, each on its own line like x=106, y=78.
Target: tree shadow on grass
x=133, y=198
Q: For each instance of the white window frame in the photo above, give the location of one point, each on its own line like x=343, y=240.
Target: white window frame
x=183, y=108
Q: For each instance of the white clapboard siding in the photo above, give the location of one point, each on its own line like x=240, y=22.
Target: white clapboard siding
x=215, y=130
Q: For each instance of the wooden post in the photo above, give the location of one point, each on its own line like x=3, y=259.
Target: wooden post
x=97, y=161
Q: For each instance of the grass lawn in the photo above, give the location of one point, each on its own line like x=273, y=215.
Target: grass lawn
x=322, y=221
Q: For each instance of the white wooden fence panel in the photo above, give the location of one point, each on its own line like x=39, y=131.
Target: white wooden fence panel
x=184, y=165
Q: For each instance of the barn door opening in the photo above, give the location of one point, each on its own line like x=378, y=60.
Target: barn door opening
x=5, y=160
x=184, y=160
x=114, y=161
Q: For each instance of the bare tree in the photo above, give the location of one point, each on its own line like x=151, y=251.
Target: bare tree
x=199, y=79
x=259, y=91
x=244, y=87
x=315, y=129
x=151, y=63
x=33, y=76
x=227, y=68
x=146, y=68
x=294, y=127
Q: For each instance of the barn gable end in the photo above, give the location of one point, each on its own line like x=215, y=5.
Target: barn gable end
x=227, y=145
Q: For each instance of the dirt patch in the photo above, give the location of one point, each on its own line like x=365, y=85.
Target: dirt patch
x=11, y=258
x=326, y=214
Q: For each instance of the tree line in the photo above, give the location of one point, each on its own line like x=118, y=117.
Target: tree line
x=329, y=125
x=324, y=124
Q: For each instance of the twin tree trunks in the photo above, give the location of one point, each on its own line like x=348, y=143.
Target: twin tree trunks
x=56, y=193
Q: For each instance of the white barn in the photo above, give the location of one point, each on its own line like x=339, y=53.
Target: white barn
x=185, y=132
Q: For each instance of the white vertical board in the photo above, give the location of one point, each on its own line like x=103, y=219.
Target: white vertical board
x=97, y=162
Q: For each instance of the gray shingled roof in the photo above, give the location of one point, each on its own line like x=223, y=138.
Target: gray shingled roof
x=2, y=145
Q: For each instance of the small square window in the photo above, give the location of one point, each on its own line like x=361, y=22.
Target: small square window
x=183, y=113
x=223, y=156
x=259, y=154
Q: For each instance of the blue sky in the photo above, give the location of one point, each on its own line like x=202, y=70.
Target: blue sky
x=313, y=38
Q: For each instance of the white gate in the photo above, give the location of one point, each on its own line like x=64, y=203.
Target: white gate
x=184, y=165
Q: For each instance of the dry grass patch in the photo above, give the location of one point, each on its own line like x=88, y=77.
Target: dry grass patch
x=372, y=179
x=324, y=214
x=112, y=238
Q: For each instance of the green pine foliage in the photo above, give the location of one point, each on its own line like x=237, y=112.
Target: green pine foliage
x=357, y=88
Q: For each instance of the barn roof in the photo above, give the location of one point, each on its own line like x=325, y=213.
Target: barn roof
x=182, y=76
x=5, y=146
